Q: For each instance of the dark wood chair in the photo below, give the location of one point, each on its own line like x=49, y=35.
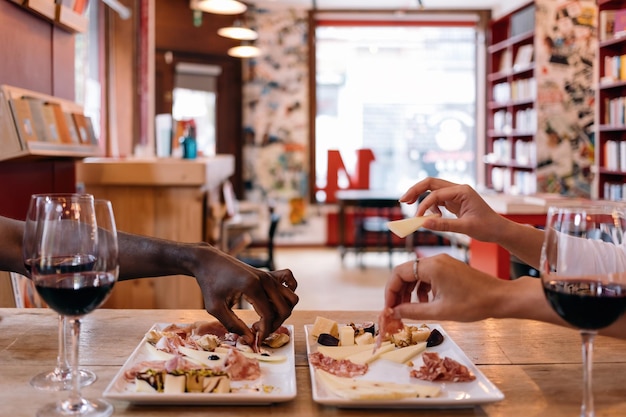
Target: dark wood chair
x=265, y=260
x=370, y=221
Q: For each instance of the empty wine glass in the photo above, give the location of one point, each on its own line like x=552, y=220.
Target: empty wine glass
x=583, y=271
x=74, y=269
x=59, y=378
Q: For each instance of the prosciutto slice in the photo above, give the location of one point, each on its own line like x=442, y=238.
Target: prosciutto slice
x=441, y=369
x=387, y=325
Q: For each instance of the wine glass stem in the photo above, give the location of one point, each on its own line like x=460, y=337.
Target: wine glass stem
x=62, y=368
x=75, y=402
x=587, y=409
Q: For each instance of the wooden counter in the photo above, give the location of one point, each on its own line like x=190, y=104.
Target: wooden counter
x=160, y=197
x=537, y=366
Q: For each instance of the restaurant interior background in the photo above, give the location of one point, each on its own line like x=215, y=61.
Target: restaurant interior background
x=411, y=81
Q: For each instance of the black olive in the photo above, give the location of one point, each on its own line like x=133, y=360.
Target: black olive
x=435, y=338
x=326, y=339
x=214, y=358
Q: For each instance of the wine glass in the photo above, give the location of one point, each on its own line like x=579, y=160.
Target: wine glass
x=59, y=378
x=583, y=271
x=74, y=269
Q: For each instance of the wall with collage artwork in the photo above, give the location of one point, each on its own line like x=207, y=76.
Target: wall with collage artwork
x=275, y=113
x=566, y=45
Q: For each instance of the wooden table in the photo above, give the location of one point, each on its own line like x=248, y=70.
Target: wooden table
x=537, y=366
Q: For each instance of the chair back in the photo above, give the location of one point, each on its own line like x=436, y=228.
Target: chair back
x=274, y=220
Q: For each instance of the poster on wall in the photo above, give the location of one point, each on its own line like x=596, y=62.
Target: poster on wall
x=566, y=42
x=275, y=158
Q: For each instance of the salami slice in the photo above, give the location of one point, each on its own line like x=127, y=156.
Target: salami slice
x=339, y=367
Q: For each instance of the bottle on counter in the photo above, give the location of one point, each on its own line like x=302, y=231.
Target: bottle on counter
x=189, y=144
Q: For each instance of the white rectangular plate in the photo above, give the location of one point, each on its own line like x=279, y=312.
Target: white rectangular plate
x=453, y=394
x=280, y=376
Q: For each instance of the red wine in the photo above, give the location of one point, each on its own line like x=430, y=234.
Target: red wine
x=588, y=305
x=61, y=264
x=75, y=294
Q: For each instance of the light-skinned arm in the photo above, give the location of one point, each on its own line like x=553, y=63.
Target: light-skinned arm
x=474, y=218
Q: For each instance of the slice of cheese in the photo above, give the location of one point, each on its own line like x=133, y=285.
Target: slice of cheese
x=211, y=359
x=258, y=356
x=368, y=356
x=158, y=354
x=342, y=352
x=364, y=339
x=403, y=355
x=144, y=386
x=404, y=227
x=357, y=389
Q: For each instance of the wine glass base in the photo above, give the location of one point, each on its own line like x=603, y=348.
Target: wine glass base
x=85, y=408
x=61, y=380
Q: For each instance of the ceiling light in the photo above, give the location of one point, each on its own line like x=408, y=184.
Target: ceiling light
x=238, y=31
x=219, y=6
x=244, y=51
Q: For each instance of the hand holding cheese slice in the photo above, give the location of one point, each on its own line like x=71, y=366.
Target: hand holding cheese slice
x=404, y=227
x=358, y=389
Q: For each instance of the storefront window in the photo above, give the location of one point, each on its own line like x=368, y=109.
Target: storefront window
x=408, y=93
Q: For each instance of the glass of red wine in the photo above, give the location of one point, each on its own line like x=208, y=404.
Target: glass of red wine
x=583, y=271
x=59, y=378
x=74, y=268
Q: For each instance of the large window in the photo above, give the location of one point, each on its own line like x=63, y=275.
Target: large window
x=405, y=91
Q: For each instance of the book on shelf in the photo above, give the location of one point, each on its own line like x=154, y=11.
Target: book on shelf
x=84, y=129
x=39, y=123
x=80, y=6
x=524, y=56
x=71, y=127
x=50, y=123
x=506, y=61
x=23, y=120
x=59, y=118
x=607, y=24
x=619, y=24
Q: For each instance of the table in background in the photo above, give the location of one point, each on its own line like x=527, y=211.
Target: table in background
x=537, y=366
x=361, y=198
x=492, y=258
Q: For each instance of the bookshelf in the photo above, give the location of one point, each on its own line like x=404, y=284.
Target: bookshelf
x=541, y=91
x=66, y=14
x=35, y=125
x=610, y=152
x=511, y=95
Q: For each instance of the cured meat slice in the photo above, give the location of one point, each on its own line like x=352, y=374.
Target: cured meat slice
x=441, y=369
x=387, y=326
x=339, y=367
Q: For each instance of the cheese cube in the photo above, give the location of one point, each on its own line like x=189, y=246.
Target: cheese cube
x=346, y=336
x=174, y=384
x=324, y=325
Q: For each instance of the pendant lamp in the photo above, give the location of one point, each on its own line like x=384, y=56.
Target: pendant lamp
x=238, y=31
x=219, y=6
x=245, y=50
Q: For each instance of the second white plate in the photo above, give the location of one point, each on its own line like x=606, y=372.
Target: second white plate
x=453, y=394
